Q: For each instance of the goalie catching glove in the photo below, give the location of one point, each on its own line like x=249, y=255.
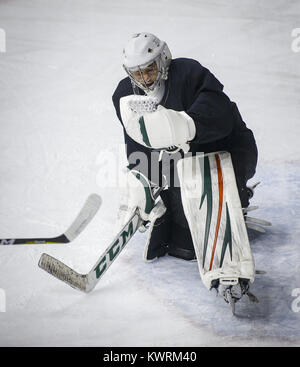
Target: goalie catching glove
x=158, y=128
x=137, y=195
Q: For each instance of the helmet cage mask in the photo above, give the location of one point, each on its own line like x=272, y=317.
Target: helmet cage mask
x=141, y=83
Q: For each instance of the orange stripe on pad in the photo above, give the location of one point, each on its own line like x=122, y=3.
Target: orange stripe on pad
x=220, y=185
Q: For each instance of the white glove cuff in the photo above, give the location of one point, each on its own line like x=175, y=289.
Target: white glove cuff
x=191, y=126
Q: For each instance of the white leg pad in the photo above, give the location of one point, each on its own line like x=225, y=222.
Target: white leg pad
x=213, y=210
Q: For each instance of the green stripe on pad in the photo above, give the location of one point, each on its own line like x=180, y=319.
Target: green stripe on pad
x=144, y=131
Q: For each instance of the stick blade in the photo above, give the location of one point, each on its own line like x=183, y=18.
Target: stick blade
x=84, y=217
x=63, y=272
x=86, y=214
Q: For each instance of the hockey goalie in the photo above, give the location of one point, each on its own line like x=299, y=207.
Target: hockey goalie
x=183, y=133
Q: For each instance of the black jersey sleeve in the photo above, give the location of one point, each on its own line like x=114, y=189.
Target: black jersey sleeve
x=210, y=108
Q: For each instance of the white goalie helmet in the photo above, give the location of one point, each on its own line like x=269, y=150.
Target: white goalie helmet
x=145, y=51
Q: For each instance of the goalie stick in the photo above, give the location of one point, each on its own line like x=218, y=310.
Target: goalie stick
x=87, y=282
x=84, y=217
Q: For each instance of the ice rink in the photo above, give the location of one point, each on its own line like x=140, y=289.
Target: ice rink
x=60, y=62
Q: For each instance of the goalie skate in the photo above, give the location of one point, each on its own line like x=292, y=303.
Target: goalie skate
x=232, y=290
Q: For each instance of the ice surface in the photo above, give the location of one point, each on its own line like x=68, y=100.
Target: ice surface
x=58, y=130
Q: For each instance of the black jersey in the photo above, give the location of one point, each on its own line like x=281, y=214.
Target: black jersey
x=192, y=88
